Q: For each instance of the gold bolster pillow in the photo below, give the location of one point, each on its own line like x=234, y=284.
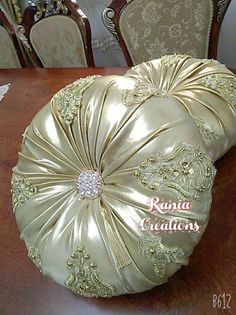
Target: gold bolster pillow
x=112, y=189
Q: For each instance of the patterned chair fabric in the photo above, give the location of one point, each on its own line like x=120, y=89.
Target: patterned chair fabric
x=66, y=41
x=8, y=56
x=60, y=48
x=9, y=49
x=148, y=29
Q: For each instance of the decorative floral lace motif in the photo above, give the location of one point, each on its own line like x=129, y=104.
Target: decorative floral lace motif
x=84, y=278
x=152, y=29
x=22, y=190
x=69, y=99
x=140, y=93
x=211, y=61
x=34, y=254
x=223, y=85
x=152, y=248
x=171, y=60
x=186, y=172
x=206, y=132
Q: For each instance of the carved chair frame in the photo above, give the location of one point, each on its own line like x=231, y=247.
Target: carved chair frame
x=33, y=14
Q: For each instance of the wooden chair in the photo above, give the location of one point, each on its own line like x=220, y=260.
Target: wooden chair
x=10, y=52
x=148, y=29
x=59, y=34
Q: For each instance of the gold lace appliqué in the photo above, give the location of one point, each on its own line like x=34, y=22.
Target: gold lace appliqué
x=206, y=132
x=170, y=60
x=69, y=99
x=22, y=190
x=222, y=84
x=186, y=171
x=152, y=248
x=210, y=61
x=35, y=256
x=140, y=93
x=84, y=278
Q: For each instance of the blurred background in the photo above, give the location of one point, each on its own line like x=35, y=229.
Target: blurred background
x=105, y=50
x=227, y=40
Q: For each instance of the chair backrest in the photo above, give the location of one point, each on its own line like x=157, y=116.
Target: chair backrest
x=10, y=53
x=149, y=29
x=59, y=34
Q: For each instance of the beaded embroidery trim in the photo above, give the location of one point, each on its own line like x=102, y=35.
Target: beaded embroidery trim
x=34, y=254
x=84, y=278
x=206, y=132
x=170, y=60
x=69, y=99
x=222, y=84
x=22, y=190
x=186, y=171
x=207, y=61
x=152, y=248
x=140, y=93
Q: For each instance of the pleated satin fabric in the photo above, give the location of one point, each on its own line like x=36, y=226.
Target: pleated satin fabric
x=154, y=132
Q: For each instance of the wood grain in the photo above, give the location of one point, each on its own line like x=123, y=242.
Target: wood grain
x=24, y=291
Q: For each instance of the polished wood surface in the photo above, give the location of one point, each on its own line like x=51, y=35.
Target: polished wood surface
x=24, y=291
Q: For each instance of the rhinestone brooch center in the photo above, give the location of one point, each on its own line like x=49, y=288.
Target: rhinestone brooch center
x=89, y=184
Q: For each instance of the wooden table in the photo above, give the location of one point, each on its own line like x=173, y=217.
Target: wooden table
x=212, y=267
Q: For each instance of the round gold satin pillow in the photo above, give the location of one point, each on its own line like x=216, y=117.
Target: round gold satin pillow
x=112, y=189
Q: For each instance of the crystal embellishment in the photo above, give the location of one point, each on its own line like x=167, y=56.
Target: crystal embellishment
x=89, y=184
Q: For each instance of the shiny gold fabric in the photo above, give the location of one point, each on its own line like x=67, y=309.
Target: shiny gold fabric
x=155, y=131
